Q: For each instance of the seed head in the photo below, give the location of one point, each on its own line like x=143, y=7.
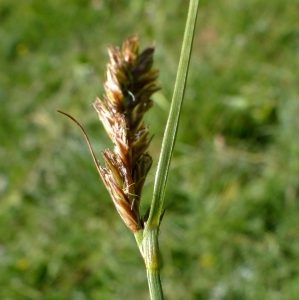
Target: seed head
x=130, y=82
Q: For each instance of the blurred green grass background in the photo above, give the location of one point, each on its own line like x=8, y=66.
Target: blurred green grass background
x=231, y=228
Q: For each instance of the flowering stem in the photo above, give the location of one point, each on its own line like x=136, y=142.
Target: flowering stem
x=151, y=258
x=154, y=284
x=150, y=246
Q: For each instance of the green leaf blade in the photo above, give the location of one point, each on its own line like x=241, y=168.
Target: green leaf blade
x=173, y=119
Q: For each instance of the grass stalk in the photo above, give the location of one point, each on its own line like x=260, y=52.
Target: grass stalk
x=151, y=231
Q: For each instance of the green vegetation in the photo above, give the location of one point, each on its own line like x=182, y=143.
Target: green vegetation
x=231, y=228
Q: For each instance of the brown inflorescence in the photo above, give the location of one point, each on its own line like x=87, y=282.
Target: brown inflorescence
x=130, y=82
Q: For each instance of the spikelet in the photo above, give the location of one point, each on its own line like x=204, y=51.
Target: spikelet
x=130, y=82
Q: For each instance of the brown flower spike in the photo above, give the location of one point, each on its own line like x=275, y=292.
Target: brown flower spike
x=130, y=82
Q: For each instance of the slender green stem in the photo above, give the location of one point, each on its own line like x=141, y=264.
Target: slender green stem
x=152, y=263
x=154, y=284
x=147, y=239
x=173, y=119
x=149, y=248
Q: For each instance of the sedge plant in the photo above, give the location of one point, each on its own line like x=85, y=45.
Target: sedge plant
x=130, y=82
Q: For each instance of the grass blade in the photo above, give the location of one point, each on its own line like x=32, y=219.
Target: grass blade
x=173, y=119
